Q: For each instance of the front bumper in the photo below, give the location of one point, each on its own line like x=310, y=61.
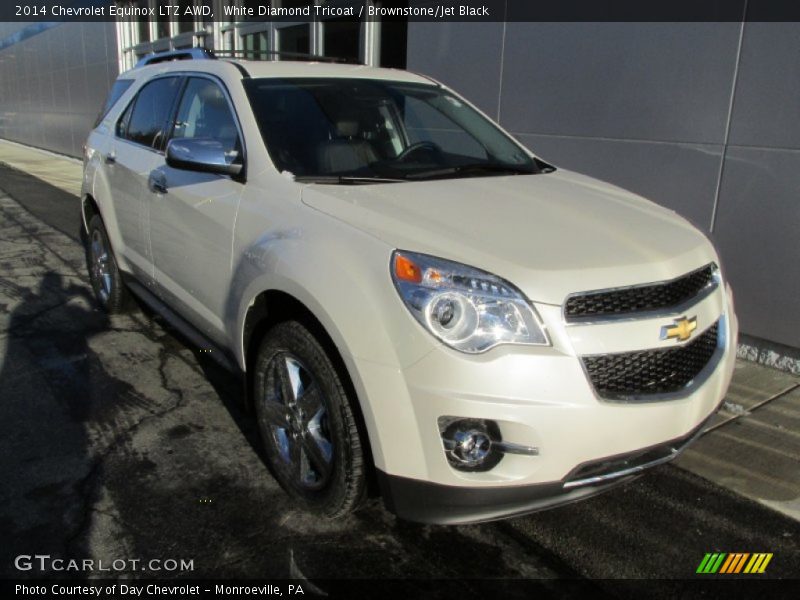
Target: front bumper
x=541, y=398
x=426, y=502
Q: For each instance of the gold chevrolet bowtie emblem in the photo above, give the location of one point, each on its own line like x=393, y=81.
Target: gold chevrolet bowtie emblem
x=681, y=329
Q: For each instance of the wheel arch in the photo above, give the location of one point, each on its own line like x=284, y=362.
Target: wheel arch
x=274, y=306
x=89, y=208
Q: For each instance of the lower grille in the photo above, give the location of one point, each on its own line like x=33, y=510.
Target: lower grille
x=663, y=371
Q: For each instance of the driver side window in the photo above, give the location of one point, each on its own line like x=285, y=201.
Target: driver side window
x=204, y=113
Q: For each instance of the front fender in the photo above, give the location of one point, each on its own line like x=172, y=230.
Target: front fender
x=342, y=277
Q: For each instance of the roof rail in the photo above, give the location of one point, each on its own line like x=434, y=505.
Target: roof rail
x=185, y=54
x=257, y=54
x=206, y=54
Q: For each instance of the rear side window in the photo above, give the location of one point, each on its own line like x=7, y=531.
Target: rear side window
x=120, y=87
x=148, y=115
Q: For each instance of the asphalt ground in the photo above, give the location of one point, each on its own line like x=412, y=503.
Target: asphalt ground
x=118, y=439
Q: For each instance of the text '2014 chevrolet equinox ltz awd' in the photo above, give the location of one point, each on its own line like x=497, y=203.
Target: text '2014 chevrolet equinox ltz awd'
x=413, y=297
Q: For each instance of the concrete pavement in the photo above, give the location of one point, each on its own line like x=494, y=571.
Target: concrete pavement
x=61, y=171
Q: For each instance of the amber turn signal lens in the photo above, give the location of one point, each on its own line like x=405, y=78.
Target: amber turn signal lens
x=406, y=269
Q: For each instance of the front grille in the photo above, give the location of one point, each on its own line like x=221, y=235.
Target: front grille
x=641, y=298
x=662, y=371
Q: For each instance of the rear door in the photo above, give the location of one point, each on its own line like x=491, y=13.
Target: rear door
x=192, y=214
x=135, y=150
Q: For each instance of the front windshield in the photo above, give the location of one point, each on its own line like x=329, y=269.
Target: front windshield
x=364, y=128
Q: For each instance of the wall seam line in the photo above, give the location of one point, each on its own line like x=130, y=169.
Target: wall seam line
x=724, y=156
x=502, y=61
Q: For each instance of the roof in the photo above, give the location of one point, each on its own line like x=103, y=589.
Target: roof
x=259, y=69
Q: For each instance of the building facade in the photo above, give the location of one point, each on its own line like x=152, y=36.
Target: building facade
x=700, y=117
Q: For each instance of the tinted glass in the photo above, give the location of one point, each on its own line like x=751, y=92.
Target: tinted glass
x=122, y=124
x=255, y=45
x=294, y=40
x=342, y=39
x=151, y=110
x=204, y=113
x=119, y=88
x=373, y=128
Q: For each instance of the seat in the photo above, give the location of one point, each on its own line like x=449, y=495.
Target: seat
x=346, y=152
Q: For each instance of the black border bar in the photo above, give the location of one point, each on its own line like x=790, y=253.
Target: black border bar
x=33, y=11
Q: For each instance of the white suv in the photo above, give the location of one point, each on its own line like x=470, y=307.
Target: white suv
x=413, y=297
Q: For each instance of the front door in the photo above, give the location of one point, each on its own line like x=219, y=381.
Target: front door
x=192, y=215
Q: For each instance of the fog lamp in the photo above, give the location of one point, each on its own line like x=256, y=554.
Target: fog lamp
x=469, y=443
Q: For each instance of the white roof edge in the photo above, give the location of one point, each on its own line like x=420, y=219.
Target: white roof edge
x=259, y=69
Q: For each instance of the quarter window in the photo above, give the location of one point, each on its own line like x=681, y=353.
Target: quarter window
x=150, y=112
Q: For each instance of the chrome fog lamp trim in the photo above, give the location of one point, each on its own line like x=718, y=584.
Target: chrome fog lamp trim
x=476, y=444
x=511, y=448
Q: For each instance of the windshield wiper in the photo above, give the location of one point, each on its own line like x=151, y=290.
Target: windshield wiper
x=473, y=168
x=345, y=179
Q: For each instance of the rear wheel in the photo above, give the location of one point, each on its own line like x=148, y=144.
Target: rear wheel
x=306, y=422
x=104, y=275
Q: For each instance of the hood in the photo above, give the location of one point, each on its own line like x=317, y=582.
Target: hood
x=549, y=234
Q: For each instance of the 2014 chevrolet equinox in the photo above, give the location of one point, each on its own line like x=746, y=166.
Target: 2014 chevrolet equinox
x=411, y=293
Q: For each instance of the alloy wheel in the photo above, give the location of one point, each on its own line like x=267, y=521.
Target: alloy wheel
x=295, y=415
x=100, y=267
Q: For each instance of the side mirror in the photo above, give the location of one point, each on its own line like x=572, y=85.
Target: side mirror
x=202, y=154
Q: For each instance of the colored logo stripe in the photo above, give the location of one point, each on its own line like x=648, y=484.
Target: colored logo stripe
x=711, y=563
x=734, y=562
x=758, y=564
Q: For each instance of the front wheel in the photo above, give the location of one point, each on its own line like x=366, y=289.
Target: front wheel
x=307, y=423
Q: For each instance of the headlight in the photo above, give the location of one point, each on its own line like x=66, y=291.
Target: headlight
x=468, y=309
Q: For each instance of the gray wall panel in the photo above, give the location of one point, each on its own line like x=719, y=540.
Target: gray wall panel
x=767, y=107
x=758, y=232
x=646, y=168
x=464, y=56
x=652, y=81
x=54, y=83
x=646, y=107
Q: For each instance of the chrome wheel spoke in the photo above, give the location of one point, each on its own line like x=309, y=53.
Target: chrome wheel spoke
x=316, y=455
x=100, y=271
x=288, y=375
x=294, y=412
x=310, y=405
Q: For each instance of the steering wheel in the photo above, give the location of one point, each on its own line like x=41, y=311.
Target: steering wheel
x=417, y=146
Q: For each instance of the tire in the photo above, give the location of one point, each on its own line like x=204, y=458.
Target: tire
x=306, y=423
x=104, y=274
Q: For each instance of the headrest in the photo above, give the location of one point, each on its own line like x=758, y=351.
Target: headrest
x=346, y=128
x=211, y=94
